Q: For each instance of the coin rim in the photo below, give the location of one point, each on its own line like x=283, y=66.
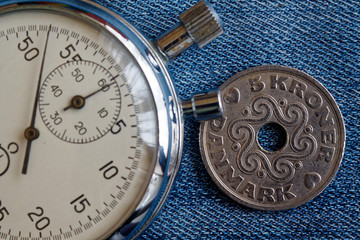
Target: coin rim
x=340, y=150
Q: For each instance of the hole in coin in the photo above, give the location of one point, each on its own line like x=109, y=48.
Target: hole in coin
x=272, y=137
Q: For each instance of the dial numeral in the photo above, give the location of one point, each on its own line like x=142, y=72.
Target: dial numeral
x=56, y=91
x=40, y=222
x=24, y=46
x=109, y=170
x=80, y=203
x=78, y=75
x=27, y=42
x=102, y=83
x=31, y=54
x=3, y=212
x=80, y=128
x=103, y=113
x=118, y=127
x=56, y=118
x=68, y=51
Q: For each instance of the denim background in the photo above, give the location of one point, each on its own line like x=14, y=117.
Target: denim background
x=321, y=38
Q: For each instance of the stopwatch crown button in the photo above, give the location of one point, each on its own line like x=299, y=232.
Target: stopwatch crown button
x=202, y=23
x=203, y=106
x=199, y=24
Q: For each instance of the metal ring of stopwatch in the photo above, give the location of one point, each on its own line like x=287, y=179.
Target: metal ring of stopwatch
x=170, y=131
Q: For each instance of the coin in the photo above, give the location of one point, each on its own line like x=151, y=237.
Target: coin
x=292, y=173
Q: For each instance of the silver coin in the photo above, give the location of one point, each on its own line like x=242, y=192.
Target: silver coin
x=313, y=146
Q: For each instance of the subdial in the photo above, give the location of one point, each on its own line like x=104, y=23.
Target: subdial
x=80, y=101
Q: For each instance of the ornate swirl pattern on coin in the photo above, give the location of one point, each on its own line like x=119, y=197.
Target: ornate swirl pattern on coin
x=299, y=170
x=280, y=168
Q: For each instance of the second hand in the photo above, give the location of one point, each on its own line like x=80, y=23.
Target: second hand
x=31, y=133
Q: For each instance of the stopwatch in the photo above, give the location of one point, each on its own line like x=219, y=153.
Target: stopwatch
x=91, y=126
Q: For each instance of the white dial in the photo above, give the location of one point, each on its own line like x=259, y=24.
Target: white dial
x=67, y=190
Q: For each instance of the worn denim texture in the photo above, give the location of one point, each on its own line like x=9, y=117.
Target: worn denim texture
x=321, y=38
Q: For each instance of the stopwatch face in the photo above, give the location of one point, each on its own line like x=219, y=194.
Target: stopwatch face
x=81, y=90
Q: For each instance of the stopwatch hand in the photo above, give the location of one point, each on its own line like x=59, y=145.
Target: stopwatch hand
x=78, y=101
x=31, y=133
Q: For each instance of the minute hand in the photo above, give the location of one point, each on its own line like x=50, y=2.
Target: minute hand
x=79, y=101
x=103, y=87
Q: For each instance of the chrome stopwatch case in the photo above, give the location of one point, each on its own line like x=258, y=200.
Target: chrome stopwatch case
x=91, y=127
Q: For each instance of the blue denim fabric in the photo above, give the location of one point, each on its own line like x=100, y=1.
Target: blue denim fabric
x=321, y=38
